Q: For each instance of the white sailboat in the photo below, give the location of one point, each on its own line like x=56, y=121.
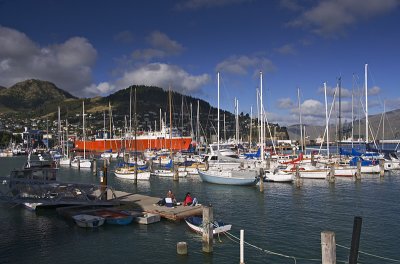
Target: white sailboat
x=79, y=161
x=219, y=175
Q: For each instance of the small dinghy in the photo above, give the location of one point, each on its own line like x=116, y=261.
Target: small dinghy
x=85, y=220
x=114, y=217
x=196, y=224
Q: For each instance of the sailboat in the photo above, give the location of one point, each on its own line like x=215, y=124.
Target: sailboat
x=79, y=161
x=219, y=175
x=65, y=160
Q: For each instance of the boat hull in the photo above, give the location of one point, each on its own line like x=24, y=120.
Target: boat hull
x=195, y=223
x=178, y=143
x=84, y=220
x=130, y=175
x=229, y=177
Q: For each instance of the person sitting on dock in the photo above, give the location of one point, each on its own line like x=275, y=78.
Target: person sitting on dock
x=189, y=200
x=169, y=200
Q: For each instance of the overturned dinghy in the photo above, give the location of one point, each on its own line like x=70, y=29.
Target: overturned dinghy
x=196, y=224
x=86, y=220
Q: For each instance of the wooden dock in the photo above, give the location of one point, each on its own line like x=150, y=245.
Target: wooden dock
x=148, y=204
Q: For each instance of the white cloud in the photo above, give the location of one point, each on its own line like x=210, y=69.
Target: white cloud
x=68, y=64
x=102, y=89
x=125, y=37
x=161, y=41
x=243, y=64
x=329, y=17
x=164, y=75
x=153, y=74
x=161, y=46
x=286, y=49
x=374, y=90
x=330, y=91
x=285, y=103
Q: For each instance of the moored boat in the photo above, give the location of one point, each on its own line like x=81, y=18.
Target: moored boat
x=86, y=220
x=229, y=177
x=114, y=217
x=196, y=224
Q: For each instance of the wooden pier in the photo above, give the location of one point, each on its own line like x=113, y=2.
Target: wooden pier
x=148, y=204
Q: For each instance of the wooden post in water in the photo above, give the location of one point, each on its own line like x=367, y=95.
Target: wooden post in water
x=313, y=159
x=332, y=174
x=261, y=179
x=358, y=173
x=103, y=181
x=182, y=248
x=94, y=169
x=297, y=177
x=355, y=240
x=328, y=247
x=241, y=246
x=382, y=167
x=268, y=163
x=79, y=163
x=175, y=170
x=208, y=219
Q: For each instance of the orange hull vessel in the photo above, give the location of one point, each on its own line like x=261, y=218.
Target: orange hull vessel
x=141, y=144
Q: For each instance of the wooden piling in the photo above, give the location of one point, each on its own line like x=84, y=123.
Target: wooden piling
x=382, y=167
x=297, y=177
x=313, y=159
x=176, y=172
x=79, y=163
x=182, y=248
x=355, y=240
x=358, y=173
x=94, y=168
x=261, y=179
x=208, y=219
x=328, y=247
x=268, y=163
x=332, y=174
x=126, y=157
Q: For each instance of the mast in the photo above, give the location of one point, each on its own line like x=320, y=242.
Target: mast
x=327, y=121
x=352, y=114
x=59, y=128
x=301, y=126
x=198, y=123
x=261, y=118
x=251, y=124
x=66, y=132
x=224, y=128
x=366, y=103
x=136, y=152
x=130, y=111
x=218, y=114
x=340, y=110
x=170, y=120
x=383, y=123
x=83, y=128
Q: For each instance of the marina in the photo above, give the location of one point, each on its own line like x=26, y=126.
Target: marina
x=289, y=222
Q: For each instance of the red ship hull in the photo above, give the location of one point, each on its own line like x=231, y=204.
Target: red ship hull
x=116, y=145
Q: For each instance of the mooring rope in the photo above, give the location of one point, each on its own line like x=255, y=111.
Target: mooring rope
x=369, y=254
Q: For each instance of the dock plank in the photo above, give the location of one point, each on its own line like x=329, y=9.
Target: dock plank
x=148, y=204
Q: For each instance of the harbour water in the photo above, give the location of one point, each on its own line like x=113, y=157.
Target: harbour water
x=283, y=219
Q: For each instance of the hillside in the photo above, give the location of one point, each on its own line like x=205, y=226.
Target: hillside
x=32, y=95
x=392, y=128
x=39, y=100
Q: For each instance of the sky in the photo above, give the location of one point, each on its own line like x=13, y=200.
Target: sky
x=95, y=48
